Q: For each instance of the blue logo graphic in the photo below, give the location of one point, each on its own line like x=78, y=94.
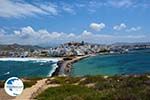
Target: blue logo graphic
x=14, y=86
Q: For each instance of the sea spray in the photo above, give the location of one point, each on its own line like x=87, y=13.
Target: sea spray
x=54, y=67
x=31, y=59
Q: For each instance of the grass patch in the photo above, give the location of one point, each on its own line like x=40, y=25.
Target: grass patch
x=64, y=80
x=69, y=92
x=28, y=84
x=111, y=88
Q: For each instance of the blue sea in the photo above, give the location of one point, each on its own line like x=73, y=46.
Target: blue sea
x=134, y=62
x=26, y=68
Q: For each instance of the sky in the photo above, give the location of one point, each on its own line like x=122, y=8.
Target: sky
x=50, y=22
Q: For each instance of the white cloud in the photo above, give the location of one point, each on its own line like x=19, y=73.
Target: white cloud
x=27, y=35
x=86, y=33
x=94, y=5
x=124, y=27
x=71, y=35
x=133, y=29
x=68, y=8
x=120, y=27
x=2, y=31
x=18, y=8
x=10, y=8
x=80, y=5
x=97, y=26
x=120, y=3
x=51, y=8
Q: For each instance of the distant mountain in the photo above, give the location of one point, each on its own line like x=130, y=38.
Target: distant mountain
x=126, y=43
x=11, y=47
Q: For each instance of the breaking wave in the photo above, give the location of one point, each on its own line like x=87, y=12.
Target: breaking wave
x=31, y=59
x=54, y=67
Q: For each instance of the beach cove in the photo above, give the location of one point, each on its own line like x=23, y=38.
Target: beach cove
x=27, y=67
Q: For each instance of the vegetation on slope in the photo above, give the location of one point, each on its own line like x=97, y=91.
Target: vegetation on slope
x=98, y=88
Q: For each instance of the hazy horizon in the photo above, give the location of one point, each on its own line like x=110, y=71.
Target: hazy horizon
x=55, y=45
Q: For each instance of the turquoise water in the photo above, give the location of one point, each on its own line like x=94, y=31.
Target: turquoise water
x=25, y=69
x=136, y=62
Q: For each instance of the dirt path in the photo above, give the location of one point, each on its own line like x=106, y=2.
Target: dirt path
x=28, y=92
x=4, y=95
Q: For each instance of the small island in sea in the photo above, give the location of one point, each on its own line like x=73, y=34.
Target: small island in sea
x=76, y=65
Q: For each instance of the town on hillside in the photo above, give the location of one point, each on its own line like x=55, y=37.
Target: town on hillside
x=68, y=49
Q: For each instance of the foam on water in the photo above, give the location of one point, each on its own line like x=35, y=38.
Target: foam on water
x=54, y=66
x=27, y=67
x=5, y=73
x=31, y=59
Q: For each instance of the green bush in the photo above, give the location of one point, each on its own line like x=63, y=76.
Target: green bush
x=111, y=88
x=28, y=84
x=1, y=84
x=64, y=80
x=69, y=92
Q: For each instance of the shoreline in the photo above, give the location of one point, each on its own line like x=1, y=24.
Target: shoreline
x=52, y=72
x=57, y=70
x=56, y=59
x=65, y=66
